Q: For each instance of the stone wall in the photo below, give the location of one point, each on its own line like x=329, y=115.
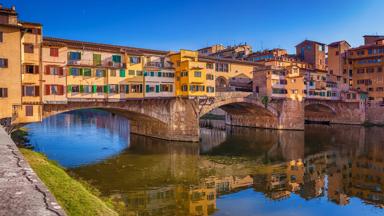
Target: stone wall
x=375, y=114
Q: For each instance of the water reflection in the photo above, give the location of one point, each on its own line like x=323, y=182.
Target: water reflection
x=240, y=171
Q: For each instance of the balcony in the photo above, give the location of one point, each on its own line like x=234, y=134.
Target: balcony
x=154, y=64
x=96, y=64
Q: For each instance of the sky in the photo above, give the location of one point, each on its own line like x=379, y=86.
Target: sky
x=193, y=24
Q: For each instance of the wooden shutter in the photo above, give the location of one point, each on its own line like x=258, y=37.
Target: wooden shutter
x=47, y=89
x=36, y=69
x=47, y=69
x=60, y=89
x=28, y=110
x=5, y=63
x=61, y=71
x=37, y=90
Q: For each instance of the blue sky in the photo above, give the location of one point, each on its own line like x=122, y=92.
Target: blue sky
x=175, y=24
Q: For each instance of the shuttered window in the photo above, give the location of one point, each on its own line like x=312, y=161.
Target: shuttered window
x=54, y=52
x=3, y=92
x=97, y=59
x=74, y=56
x=87, y=72
x=116, y=58
x=1, y=37
x=122, y=73
x=31, y=91
x=28, y=110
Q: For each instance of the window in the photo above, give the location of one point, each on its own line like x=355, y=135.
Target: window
x=210, y=89
x=137, y=88
x=131, y=72
x=184, y=73
x=113, y=73
x=97, y=59
x=337, y=53
x=152, y=74
x=28, y=110
x=100, y=73
x=54, y=89
x=114, y=89
x=116, y=58
x=54, y=70
x=184, y=88
x=87, y=72
x=74, y=56
x=3, y=92
x=166, y=87
x=87, y=89
x=74, y=71
x=1, y=37
x=28, y=48
x=31, y=69
x=149, y=88
x=54, y=52
x=210, y=77
x=31, y=91
x=197, y=74
x=379, y=69
x=3, y=63
x=139, y=73
x=221, y=67
x=134, y=60
x=124, y=89
x=209, y=66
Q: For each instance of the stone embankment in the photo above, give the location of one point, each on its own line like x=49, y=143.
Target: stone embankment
x=21, y=191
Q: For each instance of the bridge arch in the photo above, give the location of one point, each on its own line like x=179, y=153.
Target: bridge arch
x=244, y=110
x=319, y=111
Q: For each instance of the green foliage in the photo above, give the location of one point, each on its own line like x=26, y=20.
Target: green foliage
x=265, y=101
x=77, y=198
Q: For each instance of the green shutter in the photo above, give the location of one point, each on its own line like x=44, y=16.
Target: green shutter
x=70, y=71
x=157, y=88
x=106, y=89
x=147, y=88
x=122, y=73
x=94, y=88
x=116, y=58
x=81, y=71
x=159, y=74
x=81, y=88
x=152, y=73
x=145, y=73
x=127, y=89
x=97, y=59
x=69, y=88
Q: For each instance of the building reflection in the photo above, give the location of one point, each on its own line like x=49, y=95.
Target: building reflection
x=157, y=177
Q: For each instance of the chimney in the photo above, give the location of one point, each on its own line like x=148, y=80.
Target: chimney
x=13, y=7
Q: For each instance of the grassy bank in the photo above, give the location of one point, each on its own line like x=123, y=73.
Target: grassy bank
x=75, y=197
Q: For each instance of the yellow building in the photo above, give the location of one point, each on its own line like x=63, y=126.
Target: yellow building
x=10, y=63
x=20, y=92
x=191, y=75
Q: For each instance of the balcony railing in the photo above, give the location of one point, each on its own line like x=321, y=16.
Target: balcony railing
x=154, y=64
x=95, y=63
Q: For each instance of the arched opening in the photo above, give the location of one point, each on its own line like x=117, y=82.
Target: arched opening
x=221, y=84
x=239, y=112
x=319, y=113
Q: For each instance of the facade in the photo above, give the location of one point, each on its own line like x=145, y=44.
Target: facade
x=313, y=53
x=266, y=55
x=365, y=64
x=20, y=92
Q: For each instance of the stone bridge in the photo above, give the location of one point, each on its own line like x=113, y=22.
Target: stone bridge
x=337, y=112
x=178, y=118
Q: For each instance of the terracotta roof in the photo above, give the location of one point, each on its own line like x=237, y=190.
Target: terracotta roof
x=8, y=11
x=205, y=58
x=100, y=46
x=310, y=41
x=366, y=46
x=335, y=44
x=30, y=23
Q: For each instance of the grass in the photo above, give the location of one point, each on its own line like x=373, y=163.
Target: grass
x=76, y=197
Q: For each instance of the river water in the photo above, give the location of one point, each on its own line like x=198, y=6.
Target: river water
x=326, y=170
